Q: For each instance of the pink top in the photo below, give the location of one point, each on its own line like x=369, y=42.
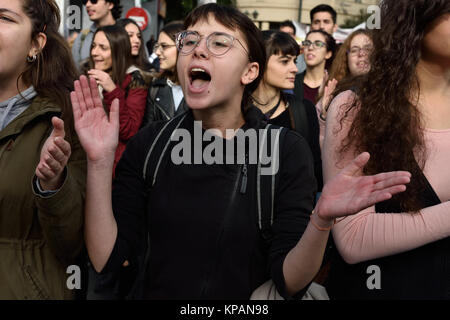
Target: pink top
x=368, y=235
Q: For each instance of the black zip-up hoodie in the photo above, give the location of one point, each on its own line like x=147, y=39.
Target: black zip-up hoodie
x=202, y=219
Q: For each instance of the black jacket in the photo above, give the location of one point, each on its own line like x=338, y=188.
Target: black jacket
x=204, y=239
x=160, y=105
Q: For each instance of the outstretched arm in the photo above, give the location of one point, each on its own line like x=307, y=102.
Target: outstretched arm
x=347, y=193
x=369, y=235
x=98, y=135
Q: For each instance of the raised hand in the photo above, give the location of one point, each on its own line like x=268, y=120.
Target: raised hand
x=324, y=82
x=54, y=156
x=350, y=191
x=329, y=88
x=98, y=133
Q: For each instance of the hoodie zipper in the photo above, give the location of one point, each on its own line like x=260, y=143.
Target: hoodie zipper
x=244, y=176
x=242, y=172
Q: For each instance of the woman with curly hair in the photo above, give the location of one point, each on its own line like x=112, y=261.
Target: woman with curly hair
x=400, y=114
x=352, y=60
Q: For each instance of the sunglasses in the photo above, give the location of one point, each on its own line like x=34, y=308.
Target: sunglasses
x=92, y=1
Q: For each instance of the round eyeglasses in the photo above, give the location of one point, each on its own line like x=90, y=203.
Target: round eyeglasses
x=356, y=51
x=316, y=44
x=162, y=46
x=218, y=43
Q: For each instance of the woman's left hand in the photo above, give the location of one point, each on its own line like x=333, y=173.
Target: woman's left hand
x=103, y=79
x=350, y=191
x=54, y=156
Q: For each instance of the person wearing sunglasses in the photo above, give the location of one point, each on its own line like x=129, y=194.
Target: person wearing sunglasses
x=165, y=97
x=202, y=219
x=319, y=49
x=101, y=13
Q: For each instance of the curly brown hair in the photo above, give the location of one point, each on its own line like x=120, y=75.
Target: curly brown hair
x=339, y=68
x=388, y=123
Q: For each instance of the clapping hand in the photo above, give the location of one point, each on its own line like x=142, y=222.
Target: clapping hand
x=54, y=156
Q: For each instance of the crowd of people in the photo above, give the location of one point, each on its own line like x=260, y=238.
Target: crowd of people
x=88, y=130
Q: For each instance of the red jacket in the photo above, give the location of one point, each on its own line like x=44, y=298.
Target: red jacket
x=131, y=110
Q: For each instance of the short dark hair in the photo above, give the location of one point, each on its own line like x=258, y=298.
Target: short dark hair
x=172, y=29
x=233, y=19
x=323, y=8
x=331, y=45
x=116, y=11
x=288, y=23
x=278, y=42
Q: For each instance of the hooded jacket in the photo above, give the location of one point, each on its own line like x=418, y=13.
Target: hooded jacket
x=39, y=237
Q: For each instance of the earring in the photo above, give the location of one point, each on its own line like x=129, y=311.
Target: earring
x=31, y=59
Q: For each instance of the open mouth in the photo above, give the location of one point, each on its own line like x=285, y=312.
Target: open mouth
x=199, y=77
x=362, y=64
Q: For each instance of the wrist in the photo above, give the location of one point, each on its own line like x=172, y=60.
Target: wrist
x=109, y=87
x=320, y=223
x=52, y=184
x=101, y=164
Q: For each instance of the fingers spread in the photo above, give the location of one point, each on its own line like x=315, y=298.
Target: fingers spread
x=80, y=95
x=86, y=90
x=390, y=178
x=95, y=94
x=355, y=167
x=114, y=113
x=77, y=113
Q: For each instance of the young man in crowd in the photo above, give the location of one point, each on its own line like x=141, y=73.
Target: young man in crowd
x=323, y=17
x=101, y=13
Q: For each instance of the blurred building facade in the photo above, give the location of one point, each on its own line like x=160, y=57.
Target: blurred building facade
x=269, y=13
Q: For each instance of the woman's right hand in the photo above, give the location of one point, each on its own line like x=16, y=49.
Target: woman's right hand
x=98, y=133
x=328, y=91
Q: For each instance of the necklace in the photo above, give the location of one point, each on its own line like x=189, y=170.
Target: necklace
x=267, y=103
x=270, y=113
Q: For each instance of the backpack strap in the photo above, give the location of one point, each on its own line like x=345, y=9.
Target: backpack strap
x=266, y=183
x=299, y=118
x=158, y=149
x=298, y=85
